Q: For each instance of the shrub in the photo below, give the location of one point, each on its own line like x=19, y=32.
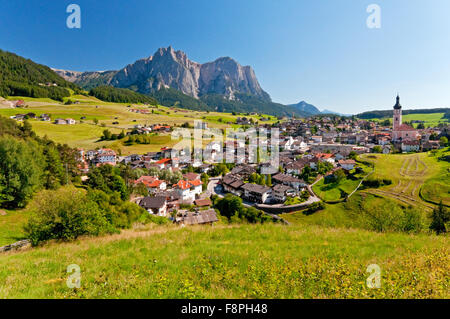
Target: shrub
x=315, y=207
x=65, y=214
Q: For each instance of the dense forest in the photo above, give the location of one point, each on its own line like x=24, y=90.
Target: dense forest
x=389, y=113
x=172, y=97
x=117, y=95
x=22, y=77
x=244, y=103
x=29, y=163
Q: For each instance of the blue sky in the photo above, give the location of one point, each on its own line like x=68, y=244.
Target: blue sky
x=319, y=51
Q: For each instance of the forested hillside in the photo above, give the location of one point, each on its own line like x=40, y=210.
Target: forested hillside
x=388, y=113
x=29, y=163
x=244, y=103
x=116, y=95
x=22, y=77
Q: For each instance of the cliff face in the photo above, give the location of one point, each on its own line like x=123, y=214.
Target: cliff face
x=170, y=68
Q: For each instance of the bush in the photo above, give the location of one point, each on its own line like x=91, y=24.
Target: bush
x=375, y=183
x=65, y=214
x=232, y=208
x=315, y=207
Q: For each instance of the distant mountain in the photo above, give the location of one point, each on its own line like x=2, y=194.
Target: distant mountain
x=305, y=107
x=23, y=77
x=172, y=78
x=334, y=113
x=170, y=68
x=87, y=80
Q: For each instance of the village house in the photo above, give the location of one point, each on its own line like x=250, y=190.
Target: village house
x=243, y=171
x=105, y=156
x=152, y=183
x=164, y=163
x=188, y=190
x=348, y=165
x=257, y=193
x=410, y=146
x=294, y=182
x=155, y=205
x=281, y=192
x=206, y=202
x=173, y=198
x=191, y=176
x=45, y=117
x=60, y=122
x=325, y=157
x=268, y=169
x=200, y=217
x=232, y=184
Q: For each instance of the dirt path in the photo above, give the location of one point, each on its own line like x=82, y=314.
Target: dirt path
x=404, y=198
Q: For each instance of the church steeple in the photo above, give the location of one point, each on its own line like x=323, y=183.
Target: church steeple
x=397, y=105
x=397, y=120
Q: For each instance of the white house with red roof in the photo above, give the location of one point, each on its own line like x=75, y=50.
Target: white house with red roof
x=188, y=189
x=152, y=183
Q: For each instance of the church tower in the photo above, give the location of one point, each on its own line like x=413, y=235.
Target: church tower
x=397, y=120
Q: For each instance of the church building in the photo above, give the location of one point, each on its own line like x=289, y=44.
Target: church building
x=402, y=132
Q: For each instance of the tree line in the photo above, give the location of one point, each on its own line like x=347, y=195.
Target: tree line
x=118, y=95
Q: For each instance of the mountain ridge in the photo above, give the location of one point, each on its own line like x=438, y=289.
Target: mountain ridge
x=172, y=78
x=170, y=68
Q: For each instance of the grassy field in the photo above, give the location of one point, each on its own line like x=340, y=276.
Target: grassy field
x=437, y=188
x=337, y=191
x=266, y=261
x=362, y=211
x=11, y=226
x=86, y=134
x=430, y=120
x=409, y=173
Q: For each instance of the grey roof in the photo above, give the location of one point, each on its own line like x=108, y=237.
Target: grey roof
x=282, y=188
x=254, y=188
x=153, y=202
x=199, y=217
x=287, y=179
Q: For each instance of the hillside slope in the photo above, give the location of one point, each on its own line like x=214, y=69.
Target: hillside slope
x=263, y=261
x=22, y=77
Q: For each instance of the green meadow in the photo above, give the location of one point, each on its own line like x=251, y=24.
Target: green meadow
x=11, y=226
x=240, y=261
x=85, y=134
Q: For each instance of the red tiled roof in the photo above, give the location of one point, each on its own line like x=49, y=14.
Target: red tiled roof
x=405, y=127
x=187, y=184
x=163, y=161
x=324, y=155
x=203, y=202
x=149, y=181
